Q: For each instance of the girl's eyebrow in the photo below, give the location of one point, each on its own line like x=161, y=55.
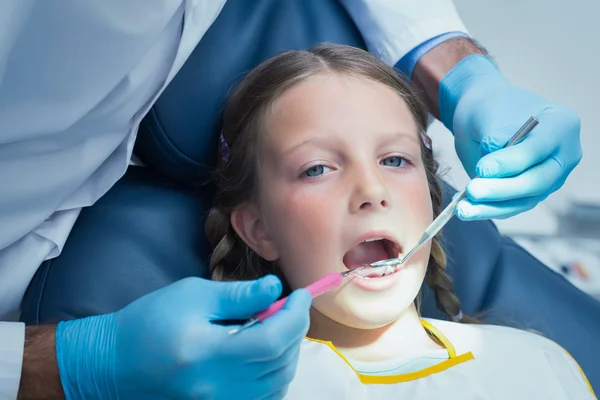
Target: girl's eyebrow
x=315, y=140
x=414, y=137
x=322, y=140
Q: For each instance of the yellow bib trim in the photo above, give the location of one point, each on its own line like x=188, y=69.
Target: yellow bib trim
x=589, y=385
x=444, y=365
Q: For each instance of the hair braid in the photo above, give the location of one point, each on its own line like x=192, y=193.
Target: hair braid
x=436, y=278
x=442, y=286
x=441, y=283
x=223, y=244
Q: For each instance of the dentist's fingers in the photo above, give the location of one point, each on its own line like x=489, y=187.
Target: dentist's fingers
x=534, y=182
x=272, y=337
x=517, y=159
x=469, y=211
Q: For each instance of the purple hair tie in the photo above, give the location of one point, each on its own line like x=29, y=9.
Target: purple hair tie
x=426, y=140
x=224, y=149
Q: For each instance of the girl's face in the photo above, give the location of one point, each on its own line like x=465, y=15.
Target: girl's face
x=340, y=165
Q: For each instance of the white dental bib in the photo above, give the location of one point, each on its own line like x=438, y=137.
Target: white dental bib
x=485, y=362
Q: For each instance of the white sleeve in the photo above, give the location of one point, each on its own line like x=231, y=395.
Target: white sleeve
x=76, y=77
x=12, y=342
x=392, y=28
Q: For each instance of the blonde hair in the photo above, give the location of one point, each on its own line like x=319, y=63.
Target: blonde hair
x=236, y=179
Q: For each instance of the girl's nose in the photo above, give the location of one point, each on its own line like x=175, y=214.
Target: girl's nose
x=370, y=192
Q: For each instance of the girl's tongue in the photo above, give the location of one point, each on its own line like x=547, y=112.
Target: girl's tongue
x=366, y=253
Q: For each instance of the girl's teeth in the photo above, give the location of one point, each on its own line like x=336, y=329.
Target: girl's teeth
x=388, y=270
x=378, y=272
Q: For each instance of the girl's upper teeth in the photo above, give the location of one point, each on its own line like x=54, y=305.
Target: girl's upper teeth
x=372, y=240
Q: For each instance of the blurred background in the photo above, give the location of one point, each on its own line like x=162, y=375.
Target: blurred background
x=551, y=47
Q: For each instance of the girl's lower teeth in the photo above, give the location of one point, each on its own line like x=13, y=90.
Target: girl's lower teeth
x=387, y=271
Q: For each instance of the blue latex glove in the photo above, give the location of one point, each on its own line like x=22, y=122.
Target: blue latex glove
x=484, y=111
x=165, y=346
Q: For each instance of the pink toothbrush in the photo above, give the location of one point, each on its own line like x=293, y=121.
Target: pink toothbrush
x=323, y=285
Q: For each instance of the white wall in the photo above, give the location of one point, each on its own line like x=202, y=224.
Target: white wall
x=551, y=47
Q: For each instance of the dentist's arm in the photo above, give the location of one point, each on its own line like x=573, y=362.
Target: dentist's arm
x=434, y=65
x=39, y=376
x=166, y=344
x=28, y=371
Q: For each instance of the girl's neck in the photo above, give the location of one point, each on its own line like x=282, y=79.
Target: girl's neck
x=401, y=338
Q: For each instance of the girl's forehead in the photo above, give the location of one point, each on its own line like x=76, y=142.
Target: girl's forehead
x=324, y=105
x=322, y=86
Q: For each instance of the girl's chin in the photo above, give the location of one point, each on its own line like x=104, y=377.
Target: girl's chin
x=366, y=316
x=374, y=320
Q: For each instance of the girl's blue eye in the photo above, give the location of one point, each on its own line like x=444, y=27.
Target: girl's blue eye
x=315, y=171
x=394, y=161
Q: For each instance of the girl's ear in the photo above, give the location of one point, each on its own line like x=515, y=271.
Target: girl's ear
x=247, y=223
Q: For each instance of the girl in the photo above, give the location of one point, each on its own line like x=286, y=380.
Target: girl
x=326, y=166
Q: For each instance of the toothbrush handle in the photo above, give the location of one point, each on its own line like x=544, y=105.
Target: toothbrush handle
x=323, y=285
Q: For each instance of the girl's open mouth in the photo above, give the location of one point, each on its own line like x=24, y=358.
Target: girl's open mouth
x=369, y=251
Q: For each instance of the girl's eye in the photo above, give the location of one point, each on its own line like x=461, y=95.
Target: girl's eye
x=315, y=171
x=394, y=161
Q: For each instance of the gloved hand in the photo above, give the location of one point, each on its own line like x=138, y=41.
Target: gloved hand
x=165, y=346
x=484, y=111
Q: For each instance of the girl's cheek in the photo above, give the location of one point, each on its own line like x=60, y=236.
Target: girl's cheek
x=418, y=200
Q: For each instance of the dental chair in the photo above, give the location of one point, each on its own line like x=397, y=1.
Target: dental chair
x=147, y=231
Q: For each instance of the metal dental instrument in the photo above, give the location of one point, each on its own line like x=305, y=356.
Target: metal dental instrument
x=323, y=285
x=447, y=214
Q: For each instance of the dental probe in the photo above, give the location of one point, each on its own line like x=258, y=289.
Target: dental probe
x=317, y=288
